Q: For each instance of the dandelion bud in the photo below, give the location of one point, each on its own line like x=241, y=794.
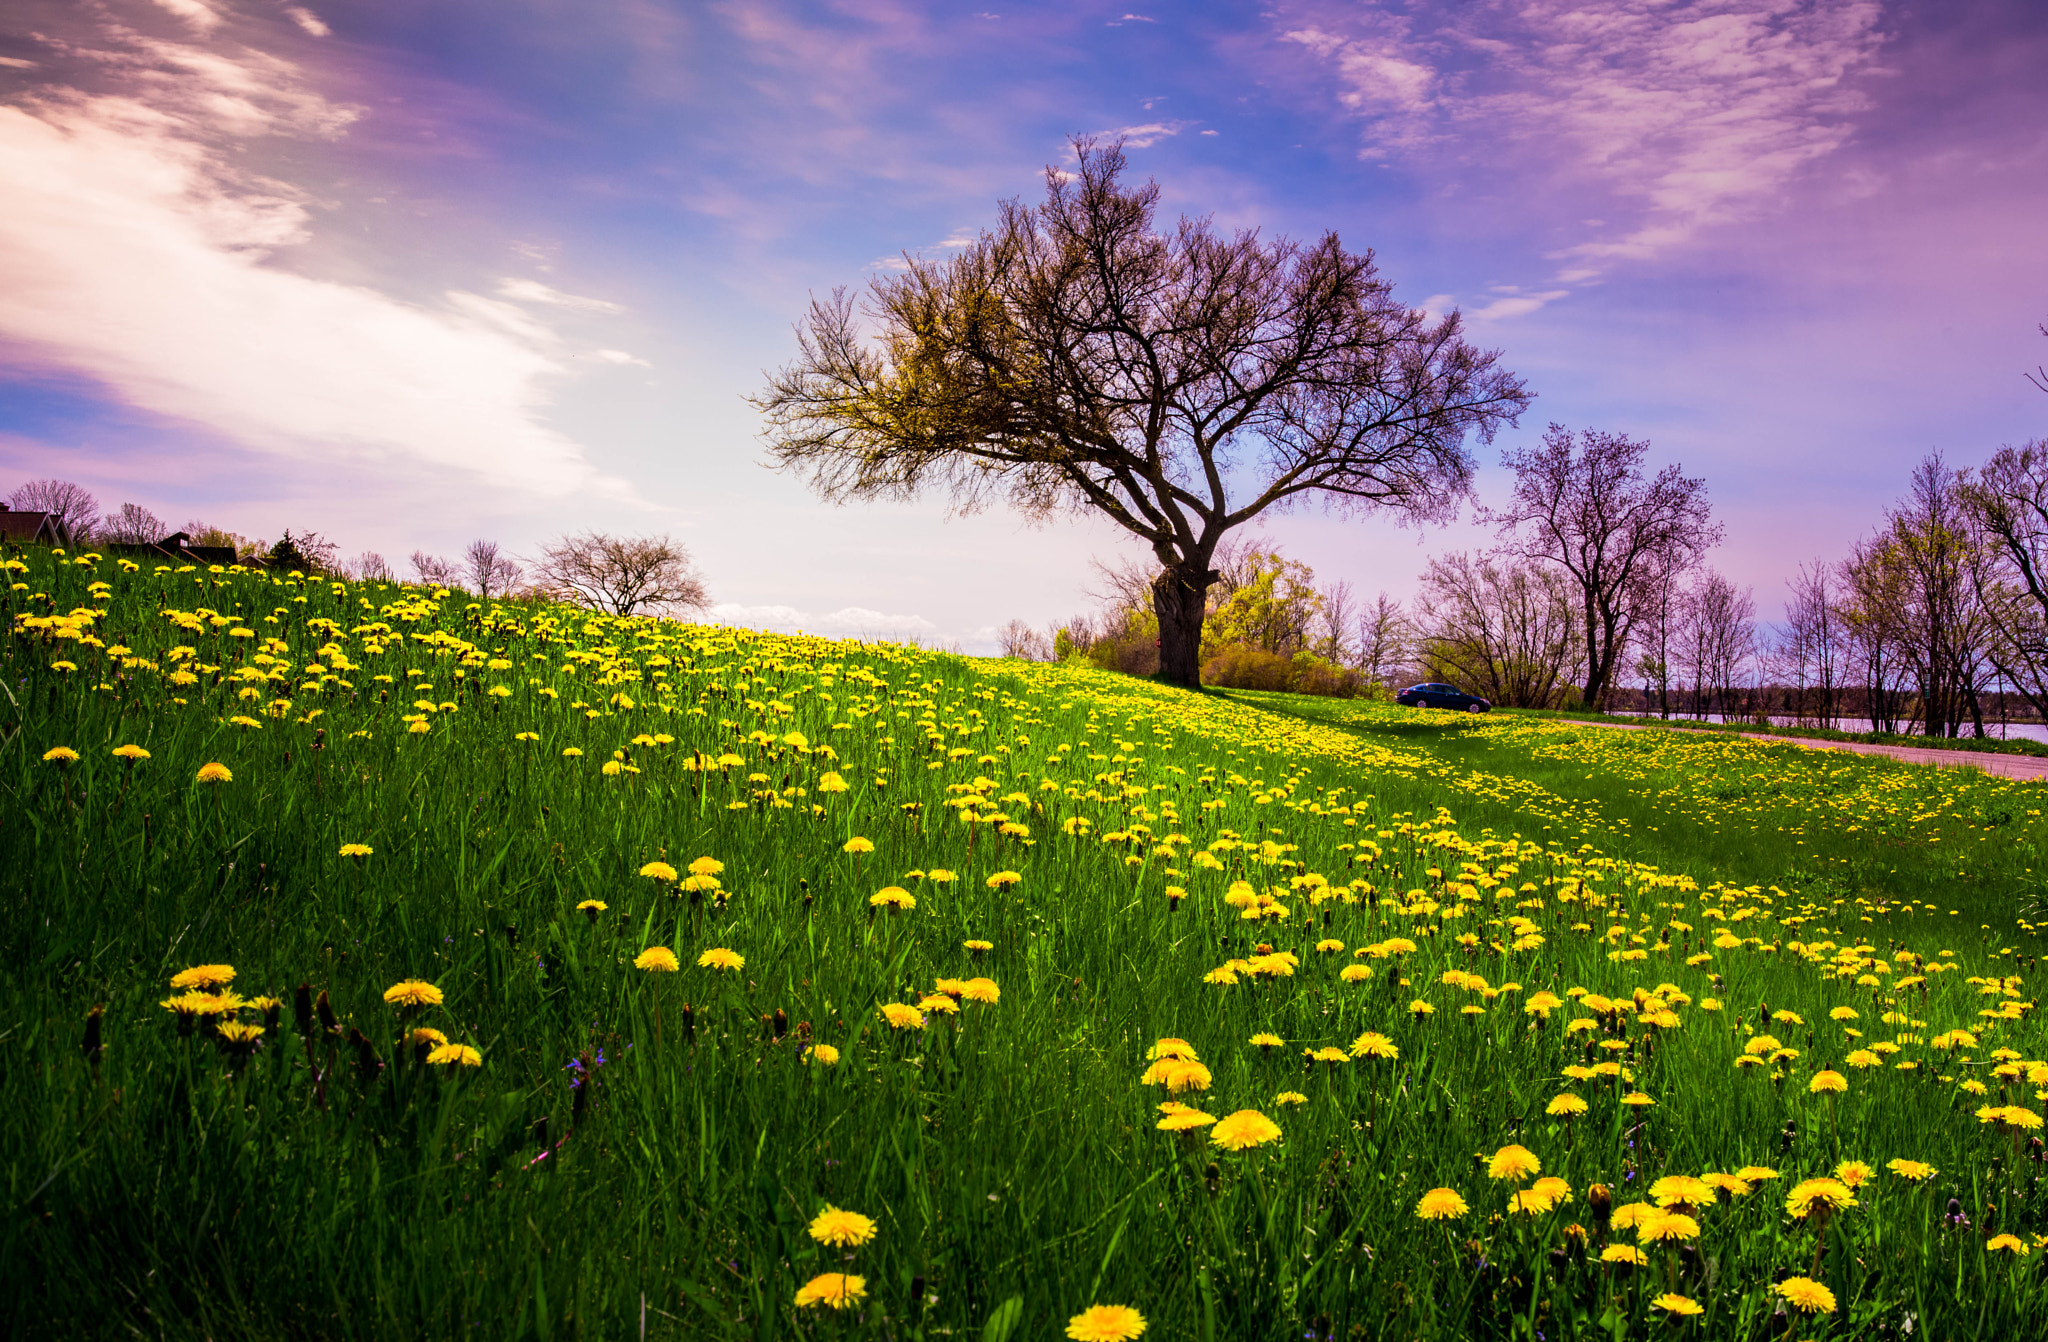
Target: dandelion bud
x=782, y=1024
x=328, y=1021
x=689, y=1024
x=540, y=1132
x=917, y=1291
x=1601, y=1203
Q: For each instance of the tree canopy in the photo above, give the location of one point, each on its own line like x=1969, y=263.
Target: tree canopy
x=1181, y=383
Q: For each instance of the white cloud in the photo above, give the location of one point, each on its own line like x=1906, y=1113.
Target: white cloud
x=17, y=63
x=135, y=249
x=618, y=356
x=1690, y=113
x=1515, y=305
x=1144, y=137
x=308, y=20
x=198, y=14
x=846, y=622
x=533, y=291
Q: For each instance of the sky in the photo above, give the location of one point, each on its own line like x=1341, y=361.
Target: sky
x=414, y=272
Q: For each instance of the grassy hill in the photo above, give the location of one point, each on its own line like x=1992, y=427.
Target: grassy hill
x=1081, y=990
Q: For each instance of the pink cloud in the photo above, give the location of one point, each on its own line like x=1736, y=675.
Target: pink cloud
x=139, y=251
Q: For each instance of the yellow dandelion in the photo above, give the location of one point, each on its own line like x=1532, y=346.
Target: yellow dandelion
x=1243, y=1130
x=718, y=957
x=857, y=845
x=413, y=993
x=60, y=755
x=660, y=871
x=460, y=1055
x=841, y=1229
x=823, y=1054
x=901, y=1017
x=836, y=1290
x=356, y=850
x=1806, y=1294
x=215, y=773
x=1675, y=1304
x=1566, y=1105
x=1514, y=1163
x=1106, y=1323
x=658, y=959
x=1441, y=1204
x=203, y=977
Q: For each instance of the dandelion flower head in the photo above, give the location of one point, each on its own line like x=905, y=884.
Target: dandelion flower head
x=659, y=959
x=1245, y=1129
x=1441, y=1204
x=203, y=977
x=841, y=1229
x=836, y=1290
x=1106, y=1323
x=413, y=993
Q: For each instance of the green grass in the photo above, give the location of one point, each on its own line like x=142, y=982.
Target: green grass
x=169, y=1188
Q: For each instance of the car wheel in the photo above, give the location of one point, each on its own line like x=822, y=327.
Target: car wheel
x=1475, y=708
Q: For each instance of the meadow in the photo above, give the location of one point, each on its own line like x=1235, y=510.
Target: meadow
x=377, y=961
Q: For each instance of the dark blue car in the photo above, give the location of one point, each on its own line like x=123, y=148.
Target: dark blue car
x=1441, y=696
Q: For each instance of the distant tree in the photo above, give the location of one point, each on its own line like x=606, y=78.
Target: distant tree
x=1811, y=650
x=1583, y=507
x=133, y=524
x=1931, y=541
x=488, y=571
x=1500, y=628
x=623, y=574
x=2008, y=501
x=205, y=533
x=74, y=510
x=1873, y=608
x=1179, y=383
x=1018, y=639
x=1334, y=624
x=369, y=566
x=1717, y=636
x=1074, y=638
x=434, y=570
x=1386, y=637
x=307, y=552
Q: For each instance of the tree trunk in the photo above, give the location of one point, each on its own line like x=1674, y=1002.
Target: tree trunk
x=1179, y=596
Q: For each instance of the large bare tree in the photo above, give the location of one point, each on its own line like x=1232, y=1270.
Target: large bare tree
x=625, y=575
x=1180, y=383
x=1582, y=505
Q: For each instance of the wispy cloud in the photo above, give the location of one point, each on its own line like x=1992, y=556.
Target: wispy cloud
x=1145, y=136
x=137, y=249
x=1684, y=115
x=533, y=291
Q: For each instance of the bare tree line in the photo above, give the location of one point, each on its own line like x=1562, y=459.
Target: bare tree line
x=623, y=575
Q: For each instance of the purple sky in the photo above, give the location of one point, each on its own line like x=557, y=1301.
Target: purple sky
x=414, y=273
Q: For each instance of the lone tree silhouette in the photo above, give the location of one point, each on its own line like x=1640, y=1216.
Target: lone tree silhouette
x=1181, y=384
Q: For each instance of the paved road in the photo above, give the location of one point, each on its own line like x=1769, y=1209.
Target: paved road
x=2003, y=766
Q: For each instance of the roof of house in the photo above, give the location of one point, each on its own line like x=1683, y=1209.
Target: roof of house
x=26, y=525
